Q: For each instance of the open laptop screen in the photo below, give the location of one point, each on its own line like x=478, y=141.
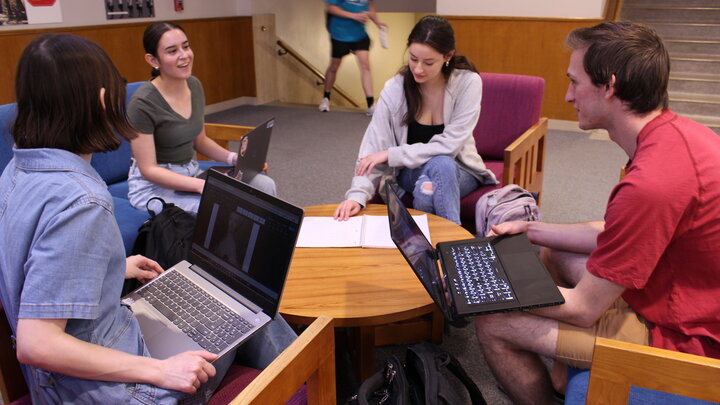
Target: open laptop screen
x=245, y=238
x=413, y=244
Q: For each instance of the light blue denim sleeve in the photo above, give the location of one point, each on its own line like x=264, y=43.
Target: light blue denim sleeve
x=68, y=264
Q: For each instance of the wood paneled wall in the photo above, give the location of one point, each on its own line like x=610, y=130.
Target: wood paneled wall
x=223, y=48
x=522, y=46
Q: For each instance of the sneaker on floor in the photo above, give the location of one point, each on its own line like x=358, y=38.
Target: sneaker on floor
x=370, y=110
x=324, y=105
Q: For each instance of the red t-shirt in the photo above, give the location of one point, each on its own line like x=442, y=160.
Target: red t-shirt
x=662, y=235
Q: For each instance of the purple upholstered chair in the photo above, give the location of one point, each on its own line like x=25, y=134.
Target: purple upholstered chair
x=509, y=135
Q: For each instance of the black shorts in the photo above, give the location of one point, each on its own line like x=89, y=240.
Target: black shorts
x=340, y=48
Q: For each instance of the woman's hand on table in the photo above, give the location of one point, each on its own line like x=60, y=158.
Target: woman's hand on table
x=346, y=209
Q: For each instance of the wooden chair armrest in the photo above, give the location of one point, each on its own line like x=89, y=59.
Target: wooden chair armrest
x=12, y=382
x=223, y=134
x=617, y=366
x=310, y=358
x=525, y=159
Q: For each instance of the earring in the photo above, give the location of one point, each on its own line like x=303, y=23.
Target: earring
x=447, y=63
x=156, y=67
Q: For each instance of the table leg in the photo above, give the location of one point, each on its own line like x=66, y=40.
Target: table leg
x=366, y=352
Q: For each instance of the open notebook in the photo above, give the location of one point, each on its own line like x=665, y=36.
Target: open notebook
x=369, y=231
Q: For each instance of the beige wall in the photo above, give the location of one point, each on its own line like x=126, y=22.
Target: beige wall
x=523, y=8
x=78, y=13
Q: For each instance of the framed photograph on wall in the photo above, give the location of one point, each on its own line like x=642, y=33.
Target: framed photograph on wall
x=116, y=9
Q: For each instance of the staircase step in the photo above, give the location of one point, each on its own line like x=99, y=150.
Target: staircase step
x=695, y=104
x=687, y=30
x=652, y=14
x=702, y=83
x=670, y=3
x=693, y=45
x=694, y=63
x=712, y=122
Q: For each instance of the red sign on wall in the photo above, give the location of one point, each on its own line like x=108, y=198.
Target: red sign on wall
x=41, y=3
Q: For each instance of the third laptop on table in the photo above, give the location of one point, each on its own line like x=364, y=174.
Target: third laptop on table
x=482, y=275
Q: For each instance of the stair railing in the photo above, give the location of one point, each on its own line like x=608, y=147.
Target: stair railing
x=285, y=49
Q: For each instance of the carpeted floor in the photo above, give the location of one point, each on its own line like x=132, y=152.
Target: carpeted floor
x=312, y=156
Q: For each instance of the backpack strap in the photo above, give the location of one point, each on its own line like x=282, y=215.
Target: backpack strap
x=147, y=205
x=456, y=368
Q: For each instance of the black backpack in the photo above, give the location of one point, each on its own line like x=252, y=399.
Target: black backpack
x=423, y=379
x=165, y=237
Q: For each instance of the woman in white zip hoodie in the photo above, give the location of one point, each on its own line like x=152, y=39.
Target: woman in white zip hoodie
x=421, y=132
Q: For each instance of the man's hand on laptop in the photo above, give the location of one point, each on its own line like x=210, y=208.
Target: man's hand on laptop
x=141, y=268
x=186, y=371
x=511, y=228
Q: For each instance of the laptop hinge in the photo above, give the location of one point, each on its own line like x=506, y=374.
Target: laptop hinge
x=227, y=290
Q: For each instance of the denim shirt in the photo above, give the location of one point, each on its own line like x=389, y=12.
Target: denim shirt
x=62, y=257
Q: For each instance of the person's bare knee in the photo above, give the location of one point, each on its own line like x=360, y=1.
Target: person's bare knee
x=566, y=268
x=427, y=188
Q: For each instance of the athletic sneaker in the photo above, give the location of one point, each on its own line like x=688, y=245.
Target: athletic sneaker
x=324, y=105
x=370, y=110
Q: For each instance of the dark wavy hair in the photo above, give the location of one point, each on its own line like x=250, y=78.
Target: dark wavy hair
x=437, y=33
x=634, y=53
x=152, y=35
x=57, y=87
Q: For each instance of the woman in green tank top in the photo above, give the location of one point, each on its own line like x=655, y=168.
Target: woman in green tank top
x=168, y=112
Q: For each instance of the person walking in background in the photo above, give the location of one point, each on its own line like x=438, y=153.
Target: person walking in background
x=346, y=24
x=421, y=132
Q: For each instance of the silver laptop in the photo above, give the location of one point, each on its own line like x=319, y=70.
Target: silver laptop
x=252, y=150
x=230, y=285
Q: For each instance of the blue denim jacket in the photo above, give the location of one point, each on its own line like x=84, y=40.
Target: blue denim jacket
x=62, y=257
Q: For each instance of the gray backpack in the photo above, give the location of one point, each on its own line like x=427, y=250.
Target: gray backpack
x=509, y=203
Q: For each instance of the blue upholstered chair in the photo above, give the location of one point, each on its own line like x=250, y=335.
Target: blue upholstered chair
x=625, y=373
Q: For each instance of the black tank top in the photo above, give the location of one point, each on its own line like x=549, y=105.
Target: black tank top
x=420, y=133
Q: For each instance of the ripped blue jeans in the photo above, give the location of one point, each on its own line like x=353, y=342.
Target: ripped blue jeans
x=437, y=186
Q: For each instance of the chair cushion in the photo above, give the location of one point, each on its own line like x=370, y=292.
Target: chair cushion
x=577, y=386
x=113, y=166
x=239, y=377
x=129, y=220
x=7, y=114
x=23, y=400
x=510, y=105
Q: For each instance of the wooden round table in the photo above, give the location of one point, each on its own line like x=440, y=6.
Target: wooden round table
x=364, y=288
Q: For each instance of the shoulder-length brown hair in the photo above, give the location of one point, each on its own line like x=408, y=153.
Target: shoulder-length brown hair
x=57, y=87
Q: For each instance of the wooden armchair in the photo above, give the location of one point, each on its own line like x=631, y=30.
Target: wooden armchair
x=617, y=366
x=309, y=359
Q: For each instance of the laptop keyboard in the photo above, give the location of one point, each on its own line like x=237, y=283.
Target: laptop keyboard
x=203, y=318
x=481, y=278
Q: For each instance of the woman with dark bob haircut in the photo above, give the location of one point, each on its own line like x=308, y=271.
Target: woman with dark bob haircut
x=169, y=113
x=62, y=260
x=421, y=132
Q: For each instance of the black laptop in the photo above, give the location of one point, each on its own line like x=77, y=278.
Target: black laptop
x=481, y=275
x=252, y=153
x=230, y=285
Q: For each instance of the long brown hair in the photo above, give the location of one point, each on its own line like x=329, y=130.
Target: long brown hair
x=437, y=33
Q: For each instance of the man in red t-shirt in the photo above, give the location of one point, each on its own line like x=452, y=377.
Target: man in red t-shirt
x=648, y=274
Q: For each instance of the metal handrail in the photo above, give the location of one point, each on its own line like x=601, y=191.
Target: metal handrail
x=286, y=49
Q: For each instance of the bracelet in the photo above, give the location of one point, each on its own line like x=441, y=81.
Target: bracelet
x=232, y=156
